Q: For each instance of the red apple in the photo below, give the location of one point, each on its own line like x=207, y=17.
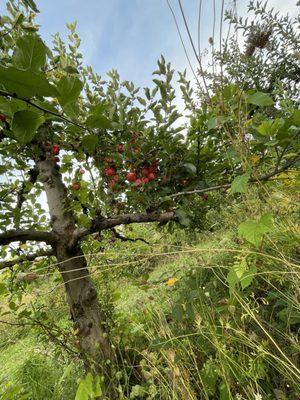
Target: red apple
x=145, y=171
x=81, y=171
x=151, y=176
x=205, y=197
x=109, y=171
x=76, y=186
x=131, y=176
x=108, y=160
x=145, y=180
x=139, y=182
x=120, y=148
x=55, y=149
x=2, y=118
x=56, y=159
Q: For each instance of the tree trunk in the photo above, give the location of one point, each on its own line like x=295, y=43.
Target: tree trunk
x=96, y=350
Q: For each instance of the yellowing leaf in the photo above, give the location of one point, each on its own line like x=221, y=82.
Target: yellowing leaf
x=254, y=159
x=24, y=246
x=171, y=282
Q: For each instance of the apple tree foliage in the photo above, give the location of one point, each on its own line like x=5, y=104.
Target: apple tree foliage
x=108, y=153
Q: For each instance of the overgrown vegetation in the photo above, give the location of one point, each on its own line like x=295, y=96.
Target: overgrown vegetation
x=203, y=303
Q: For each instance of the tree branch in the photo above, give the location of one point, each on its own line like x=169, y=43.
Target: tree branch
x=263, y=178
x=101, y=223
x=27, y=257
x=118, y=235
x=29, y=234
x=61, y=116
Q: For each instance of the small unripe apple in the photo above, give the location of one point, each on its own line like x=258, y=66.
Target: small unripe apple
x=109, y=171
x=120, y=148
x=55, y=149
x=76, y=186
x=131, y=176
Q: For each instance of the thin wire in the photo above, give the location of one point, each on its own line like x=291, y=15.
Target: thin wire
x=182, y=42
x=199, y=25
x=193, y=46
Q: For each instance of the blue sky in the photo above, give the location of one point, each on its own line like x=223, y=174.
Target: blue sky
x=130, y=35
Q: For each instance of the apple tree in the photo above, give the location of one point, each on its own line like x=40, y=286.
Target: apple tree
x=81, y=155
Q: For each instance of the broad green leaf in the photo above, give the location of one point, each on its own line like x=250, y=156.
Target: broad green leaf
x=25, y=124
x=269, y=127
x=253, y=231
x=240, y=183
x=85, y=388
x=90, y=142
x=260, y=99
x=296, y=118
x=182, y=217
x=69, y=88
x=26, y=83
x=30, y=53
x=248, y=277
x=98, y=121
x=71, y=70
x=236, y=272
x=177, y=312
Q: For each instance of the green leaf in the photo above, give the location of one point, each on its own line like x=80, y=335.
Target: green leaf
x=85, y=388
x=2, y=288
x=296, y=118
x=235, y=273
x=269, y=127
x=30, y=53
x=253, y=231
x=248, y=277
x=26, y=83
x=98, y=121
x=182, y=217
x=25, y=124
x=31, y=4
x=240, y=183
x=190, y=167
x=177, y=312
x=90, y=142
x=142, y=101
x=69, y=88
x=260, y=99
x=71, y=70
x=224, y=392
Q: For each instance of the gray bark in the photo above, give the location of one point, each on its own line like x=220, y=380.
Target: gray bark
x=80, y=291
